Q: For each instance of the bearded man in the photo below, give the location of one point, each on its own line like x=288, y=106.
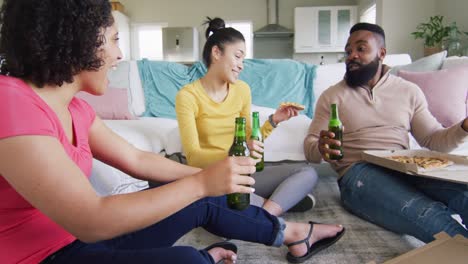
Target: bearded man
x=378, y=110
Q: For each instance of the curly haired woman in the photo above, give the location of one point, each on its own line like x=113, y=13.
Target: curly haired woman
x=49, y=212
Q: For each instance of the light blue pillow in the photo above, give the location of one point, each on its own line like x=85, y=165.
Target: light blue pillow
x=430, y=63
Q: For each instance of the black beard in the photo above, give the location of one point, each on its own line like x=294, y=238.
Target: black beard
x=363, y=74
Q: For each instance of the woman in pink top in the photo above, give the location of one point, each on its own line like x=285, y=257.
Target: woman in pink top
x=49, y=212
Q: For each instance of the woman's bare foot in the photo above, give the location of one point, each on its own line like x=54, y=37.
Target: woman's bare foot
x=299, y=231
x=219, y=253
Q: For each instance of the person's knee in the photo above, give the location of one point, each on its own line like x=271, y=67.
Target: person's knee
x=307, y=176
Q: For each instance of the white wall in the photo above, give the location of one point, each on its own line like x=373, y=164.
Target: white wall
x=455, y=10
x=363, y=5
x=143, y=11
x=254, y=10
x=399, y=18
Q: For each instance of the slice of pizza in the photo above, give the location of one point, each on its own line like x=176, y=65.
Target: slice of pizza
x=426, y=163
x=292, y=104
x=432, y=163
x=402, y=159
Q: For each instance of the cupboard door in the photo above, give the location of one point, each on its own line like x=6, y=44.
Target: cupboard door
x=343, y=25
x=324, y=27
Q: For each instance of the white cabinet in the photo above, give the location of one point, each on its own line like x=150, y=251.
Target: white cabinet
x=123, y=26
x=322, y=29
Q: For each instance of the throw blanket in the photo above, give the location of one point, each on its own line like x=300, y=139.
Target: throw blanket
x=272, y=81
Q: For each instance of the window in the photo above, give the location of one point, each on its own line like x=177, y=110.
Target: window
x=147, y=41
x=244, y=27
x=369, y=15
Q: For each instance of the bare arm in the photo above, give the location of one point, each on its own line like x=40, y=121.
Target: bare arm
x=137, y=163
x=38, y=168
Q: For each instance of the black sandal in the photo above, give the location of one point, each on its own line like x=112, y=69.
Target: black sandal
x=315, y=248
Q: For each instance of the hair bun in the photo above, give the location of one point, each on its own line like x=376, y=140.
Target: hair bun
x=214, y=25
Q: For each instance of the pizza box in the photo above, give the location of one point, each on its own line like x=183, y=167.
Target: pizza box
x=444, y=249
x=457, y=172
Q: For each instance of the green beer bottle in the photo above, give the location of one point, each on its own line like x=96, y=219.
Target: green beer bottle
x=239, y=201
x=257, y=135
x=335, y=126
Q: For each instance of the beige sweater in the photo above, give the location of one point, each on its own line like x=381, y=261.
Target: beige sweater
x=379, y=119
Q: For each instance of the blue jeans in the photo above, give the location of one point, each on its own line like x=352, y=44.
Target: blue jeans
x=405, y=204
x=154, y=243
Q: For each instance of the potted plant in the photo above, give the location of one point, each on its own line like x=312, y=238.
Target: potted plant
x=433, y=33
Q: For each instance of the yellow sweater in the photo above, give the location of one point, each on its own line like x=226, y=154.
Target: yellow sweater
x=207, y=127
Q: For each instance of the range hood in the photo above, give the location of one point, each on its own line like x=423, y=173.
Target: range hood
x=273, y=29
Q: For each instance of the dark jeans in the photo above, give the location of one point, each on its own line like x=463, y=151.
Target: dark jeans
x=154, y=244
x=405, y=204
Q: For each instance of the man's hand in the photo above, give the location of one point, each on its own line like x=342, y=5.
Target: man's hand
x=326, y=139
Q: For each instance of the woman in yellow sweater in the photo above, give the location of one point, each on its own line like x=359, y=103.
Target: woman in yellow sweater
x=206, y=110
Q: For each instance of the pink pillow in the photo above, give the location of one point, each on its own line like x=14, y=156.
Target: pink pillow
x=111, y=105
x=446, y=92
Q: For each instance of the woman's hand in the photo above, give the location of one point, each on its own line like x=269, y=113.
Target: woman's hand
x=256, y=148
x=284, y=113
x=228, y=176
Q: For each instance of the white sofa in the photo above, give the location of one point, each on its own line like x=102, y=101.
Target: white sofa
x=161, y=135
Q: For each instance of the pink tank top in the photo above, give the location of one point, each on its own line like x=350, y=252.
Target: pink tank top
x=27, y=235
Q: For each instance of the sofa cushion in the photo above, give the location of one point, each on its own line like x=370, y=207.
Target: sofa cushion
x=430, y=63
x=113, y=104
x=454, y=61
x=119, y=77
x=286, y=141
x=393, y=60
x=164, y=129
x=137, y=99
x=328, y=75
x=446, y=92
x=139, y=133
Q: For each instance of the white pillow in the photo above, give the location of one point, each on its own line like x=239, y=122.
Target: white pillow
x=454, y=61
x=326, y=76
x=429, y=63
x=287, y=140
x=136, y=91
x=397, y=59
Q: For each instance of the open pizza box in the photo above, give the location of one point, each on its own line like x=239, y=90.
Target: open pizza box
x=456, y=172
x=444, y=249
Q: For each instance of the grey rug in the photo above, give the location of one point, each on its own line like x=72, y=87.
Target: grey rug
x=363, y=242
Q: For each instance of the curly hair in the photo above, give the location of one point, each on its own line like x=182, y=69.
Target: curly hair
x=47, y=42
